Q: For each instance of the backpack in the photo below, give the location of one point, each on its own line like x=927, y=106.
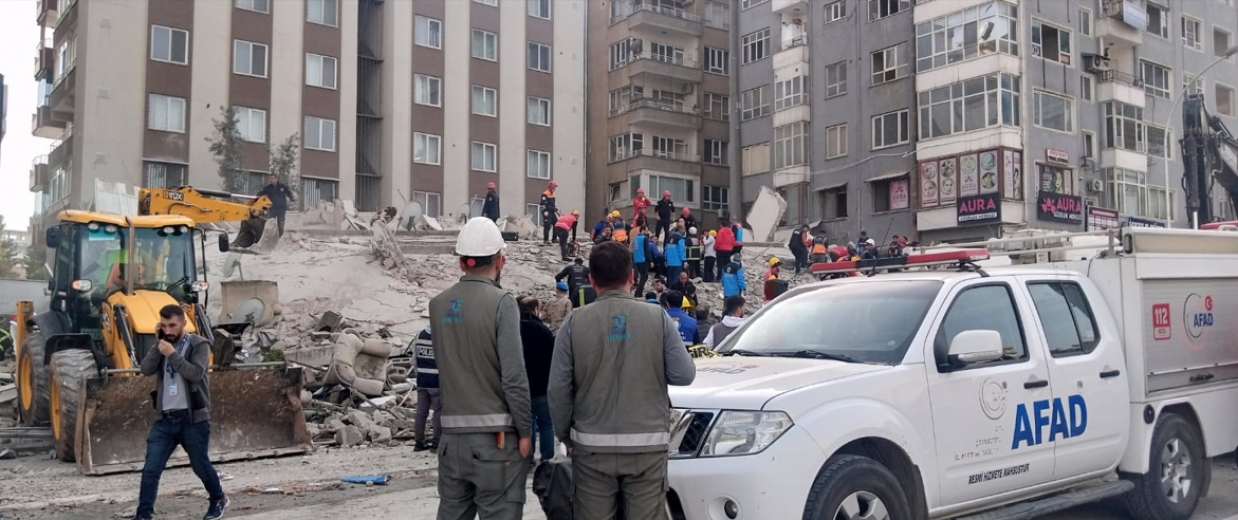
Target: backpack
x=552, y=483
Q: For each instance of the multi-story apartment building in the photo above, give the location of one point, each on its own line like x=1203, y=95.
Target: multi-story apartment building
x=660, y=76
x=393, y=101
x=967, y=119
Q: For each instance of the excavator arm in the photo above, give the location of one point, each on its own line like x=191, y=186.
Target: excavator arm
x=1210, y=153
x=201, y=205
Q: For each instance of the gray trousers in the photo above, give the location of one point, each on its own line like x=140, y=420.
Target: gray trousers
x=428, y=399
x=475, y=477
x=603, y=480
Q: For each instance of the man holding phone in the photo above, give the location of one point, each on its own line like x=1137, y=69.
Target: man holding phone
x=183, y=402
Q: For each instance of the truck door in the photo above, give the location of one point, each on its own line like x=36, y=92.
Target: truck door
x=1090, y=411
x=984, y=415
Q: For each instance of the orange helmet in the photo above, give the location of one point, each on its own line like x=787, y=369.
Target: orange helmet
x=554, y=184
x=490, y=185
x=640, y=191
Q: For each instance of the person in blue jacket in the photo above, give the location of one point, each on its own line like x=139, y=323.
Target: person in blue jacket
x=657, y=258
x=674, y=256
x=733, y=282
x=640, y=260
x=673, y=301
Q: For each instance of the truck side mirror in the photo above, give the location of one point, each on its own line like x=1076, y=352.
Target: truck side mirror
x=52, y=237
x=975, y=346
x=223, y=243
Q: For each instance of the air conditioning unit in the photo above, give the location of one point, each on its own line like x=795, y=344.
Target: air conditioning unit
x=1096, y=185
x=1095, y=63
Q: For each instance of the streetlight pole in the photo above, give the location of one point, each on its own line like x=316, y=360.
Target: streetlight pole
x=1168, y=198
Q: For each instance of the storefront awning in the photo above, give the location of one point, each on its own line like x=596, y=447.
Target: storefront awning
x=829, y=187
x=889, y=176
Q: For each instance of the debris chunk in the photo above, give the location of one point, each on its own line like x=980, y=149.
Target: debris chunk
x=349, y=436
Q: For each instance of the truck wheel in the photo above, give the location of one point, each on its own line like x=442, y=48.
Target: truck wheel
x=1171, y=488
x=32, y=384
x=852, y=487
x=70, y=368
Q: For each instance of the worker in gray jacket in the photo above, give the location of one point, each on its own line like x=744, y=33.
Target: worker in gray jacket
x=612, y=363
x=487, y=430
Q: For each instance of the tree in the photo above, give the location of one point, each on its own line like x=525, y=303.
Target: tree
x=226, y=147
x=35, y=262
x=8, y=253
x=284, y=161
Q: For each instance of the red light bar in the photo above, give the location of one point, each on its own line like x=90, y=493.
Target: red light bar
x=1217, y=225
x=917, y=260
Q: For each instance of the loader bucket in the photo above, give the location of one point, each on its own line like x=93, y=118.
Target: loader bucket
x=255, y=413
x=250, y=233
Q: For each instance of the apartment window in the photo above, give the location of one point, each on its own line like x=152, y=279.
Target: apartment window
x=745, y=4
x=1051, y=43
x=833, y=203
x=717, y=106
x=755, y=159
x=427, y=148
x=165, y=113
x=538, y=166
x=249, y=58
x=890, y=194
x=968, y=105
x=1124, y=127
x=169, y=45
x=718, y=15
x=976, y=31
x=261, y=6
x=715, y=152
x=891, y=129
x=835, y=11
x=1085, y=21
x=539, y=9
x=1224, y=99
x=484, y=156
x=428, y=32
x=539, y=57
x=717, y=61
x=494, y=3
x=836, y=141
x=251, y=124
x=1087, y=87
x=1160, y=142
x=790, y=93
x=1220, y=41
x=622, y=99
x=878, y=9
x=665, y=99
x=755, y=45
x=1156, y=79
x=1158, y=20
x=791, y=145
x=627, y=145
x=427, y=90
x=165, y=175
x=315, y=190
x=485, y=45
x=681, y=189
x=754, y=103
x=325, y=12
x=1128, y=192
x=836, y=79
x=714, y=198
x=670, y=148
x=320, y=71
x=485, y=101
x=1053, y=112
x=319, y=133
x=1089, y=144
x=890, y=64
x=431, y=202
x=623, y=51
x=1192, y=84
x=539, y=111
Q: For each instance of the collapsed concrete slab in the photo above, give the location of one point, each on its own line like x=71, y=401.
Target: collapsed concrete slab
x=765, y=215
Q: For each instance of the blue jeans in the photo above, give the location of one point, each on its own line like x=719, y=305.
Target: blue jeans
x=171, y=430
x=672, y=273
x=543, y=430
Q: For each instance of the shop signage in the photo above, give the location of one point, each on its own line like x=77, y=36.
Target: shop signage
x=980, y=209
x=1057, y=207
x=1057, y=156
x=1144, y=222
x=1100, y=219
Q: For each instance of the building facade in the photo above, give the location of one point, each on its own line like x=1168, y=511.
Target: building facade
x=969, y=119
x=660, y=75
x=392, y=102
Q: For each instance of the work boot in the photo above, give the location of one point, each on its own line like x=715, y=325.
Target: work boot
x=421, y=446
x=216, y=511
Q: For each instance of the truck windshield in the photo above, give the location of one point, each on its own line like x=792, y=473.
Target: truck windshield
x=871, y=322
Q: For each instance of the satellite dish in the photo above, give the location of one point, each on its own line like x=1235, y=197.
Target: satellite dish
x=251, y=310
x=409, y=215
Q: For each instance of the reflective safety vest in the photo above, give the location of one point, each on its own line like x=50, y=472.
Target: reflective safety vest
x=818, y=248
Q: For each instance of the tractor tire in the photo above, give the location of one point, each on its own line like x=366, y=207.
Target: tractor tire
x=32, y=381
x=70, y=369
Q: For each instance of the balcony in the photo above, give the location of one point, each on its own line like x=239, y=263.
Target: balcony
x=39, y=173
x=683, y=163
x=1122, y=24
x=793, y=53
x=42, y=124
x=789, y=6
x=62, y=151
x=661, y=113
x=46, y=12
x=1120, y=86
x=656, y=19
x=1125, y=159
x=44, y=60
x=682, y=70
x=64, y=92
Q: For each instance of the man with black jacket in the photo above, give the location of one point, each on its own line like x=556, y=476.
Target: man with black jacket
x=280, y=196
x=539, y=348
x=490, y=207
x=578, y=287
x=666, y=211
x=182, y=399
x=550, y=214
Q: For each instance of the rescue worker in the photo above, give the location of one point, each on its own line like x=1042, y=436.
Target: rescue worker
x=657, y=263
x=482, y=467
x=725, y=246
x=799, y=248
x=685, y=287
x=732, y=318
x=539, y=347
x=606, y=236
x=490, y=208
x=429, y=397
x=640, y=206
x=666, y=210
x=550, y=214
x=673, y=301
x=577, y=276
x=674, y=256
x=870, y=250
x=692, y=254
x=619, y=228
x=601, y=225
x=558, y=308
x=640, y=259
x=689, y=221
x=565, y=223
x=708, y=271
x=738, y=230
x=733, y=282
x=771, y=279
x=819, y=250
x=280, y=195
x=609, y=408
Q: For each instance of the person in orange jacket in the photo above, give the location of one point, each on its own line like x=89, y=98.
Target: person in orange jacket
x=566, y=223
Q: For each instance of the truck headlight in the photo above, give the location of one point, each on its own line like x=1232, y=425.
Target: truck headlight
x=744, y=433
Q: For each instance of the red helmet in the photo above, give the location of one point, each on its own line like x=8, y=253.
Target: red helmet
x=490, y=185
x=666, y=193
x=686, y=211
x=554, y=184
x=640, y=191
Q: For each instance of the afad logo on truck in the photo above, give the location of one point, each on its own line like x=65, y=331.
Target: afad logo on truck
x=1197, y=315
x=1062, y=419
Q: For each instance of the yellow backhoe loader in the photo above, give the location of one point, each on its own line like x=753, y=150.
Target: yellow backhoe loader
x=77, y=363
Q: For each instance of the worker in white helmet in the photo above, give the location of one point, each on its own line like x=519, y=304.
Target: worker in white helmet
x=487, y=430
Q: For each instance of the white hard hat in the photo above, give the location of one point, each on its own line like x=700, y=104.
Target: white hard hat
x=869, y=242
x=479, y=237
x=692, y=230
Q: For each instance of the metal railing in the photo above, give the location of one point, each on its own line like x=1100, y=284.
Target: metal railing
x=665, y=106
x=1113, y=76
x=674, y=156
x=682, y=61
x=798, y=41
x=673, y=12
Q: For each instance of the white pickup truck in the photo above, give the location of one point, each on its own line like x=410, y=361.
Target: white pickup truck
x=962, y=391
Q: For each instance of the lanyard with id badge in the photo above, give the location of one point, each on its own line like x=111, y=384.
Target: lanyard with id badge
x=173, y=388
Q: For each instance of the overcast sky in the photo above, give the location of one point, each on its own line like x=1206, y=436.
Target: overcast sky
x=18, y=36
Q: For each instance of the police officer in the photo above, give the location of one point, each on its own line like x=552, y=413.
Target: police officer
x=550, y=214
x=608, y=407
x=578, y=288
x=429, y=397
x=487, y=430
x=490, y=207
